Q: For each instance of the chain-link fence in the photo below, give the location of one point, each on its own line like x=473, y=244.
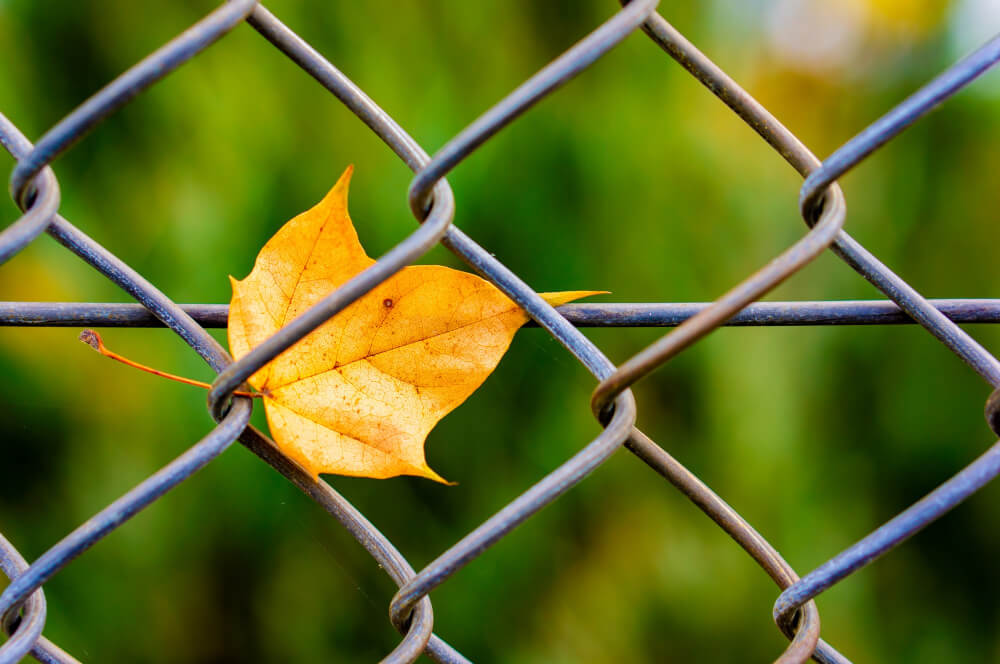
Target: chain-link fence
x=35, y=188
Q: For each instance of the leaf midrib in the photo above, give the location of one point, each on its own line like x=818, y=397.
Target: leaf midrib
x=335, y=367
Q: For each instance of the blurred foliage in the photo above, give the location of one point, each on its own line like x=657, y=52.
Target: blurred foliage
x=633, y=179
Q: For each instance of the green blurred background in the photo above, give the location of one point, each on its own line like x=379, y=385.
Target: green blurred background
x=632, y=179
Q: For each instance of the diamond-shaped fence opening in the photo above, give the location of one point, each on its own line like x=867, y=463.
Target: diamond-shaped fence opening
x=35, y=188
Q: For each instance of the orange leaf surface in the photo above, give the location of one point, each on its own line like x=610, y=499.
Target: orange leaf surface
x=359, y=394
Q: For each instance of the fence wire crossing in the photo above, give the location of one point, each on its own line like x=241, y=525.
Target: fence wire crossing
x=35, y=189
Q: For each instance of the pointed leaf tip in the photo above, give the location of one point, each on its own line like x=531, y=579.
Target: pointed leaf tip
x=563, y=297
x=339, y=191
x=430, y=474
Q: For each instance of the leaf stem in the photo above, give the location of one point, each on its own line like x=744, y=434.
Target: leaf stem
x=93, y=339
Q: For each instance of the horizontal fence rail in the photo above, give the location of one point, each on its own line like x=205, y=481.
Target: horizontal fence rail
x=35, y=189
x=633, y=314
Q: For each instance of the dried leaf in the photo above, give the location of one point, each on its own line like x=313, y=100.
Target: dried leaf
x=359, y=394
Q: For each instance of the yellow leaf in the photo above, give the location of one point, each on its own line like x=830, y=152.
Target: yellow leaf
x=358, y=395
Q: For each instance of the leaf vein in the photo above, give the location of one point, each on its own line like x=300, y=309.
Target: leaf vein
x=388, y=350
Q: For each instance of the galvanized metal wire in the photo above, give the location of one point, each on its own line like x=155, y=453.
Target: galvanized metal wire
x=35, y=189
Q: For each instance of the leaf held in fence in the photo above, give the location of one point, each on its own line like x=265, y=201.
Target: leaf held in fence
x=359, y=395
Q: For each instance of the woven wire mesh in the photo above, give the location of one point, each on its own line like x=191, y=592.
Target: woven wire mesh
x=35, y=188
